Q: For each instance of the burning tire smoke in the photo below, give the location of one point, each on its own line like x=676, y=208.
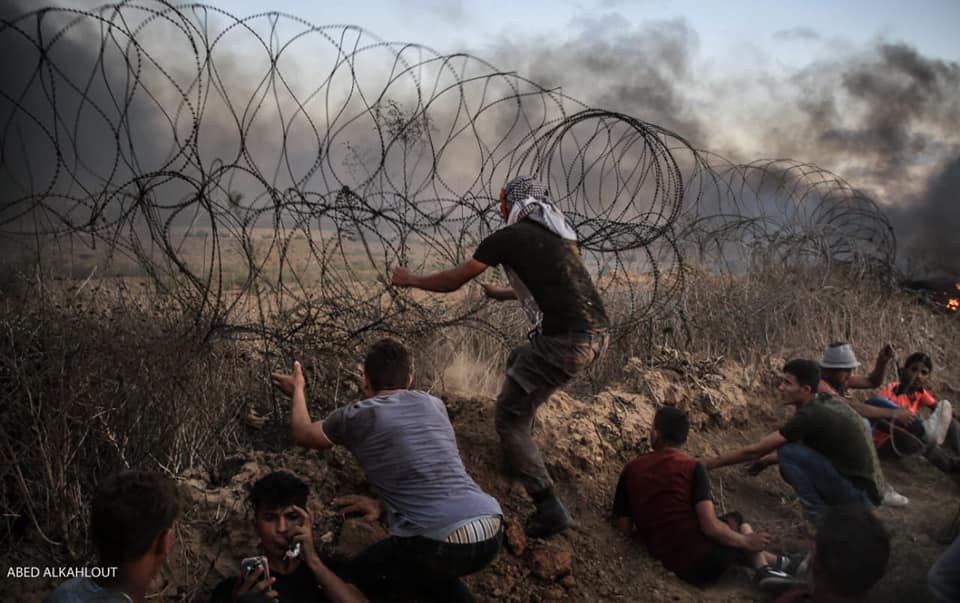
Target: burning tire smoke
x=265, y=172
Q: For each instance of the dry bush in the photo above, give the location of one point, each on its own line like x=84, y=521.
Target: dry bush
x=771, y=312
x=96, y=381
x=462, y=359
x=112, y=376
x=779, y=312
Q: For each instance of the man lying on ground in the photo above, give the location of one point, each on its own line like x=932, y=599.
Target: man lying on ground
x=294, y=570
x=824, y=450
x=131, y=524
x=666, y=496
x=850, y=557
x=442, y=525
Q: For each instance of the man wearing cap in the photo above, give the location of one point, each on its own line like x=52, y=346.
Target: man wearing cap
x=836, y=377
x=837, y=366
x=538, y=250
x=836, y=372
x=838, y=363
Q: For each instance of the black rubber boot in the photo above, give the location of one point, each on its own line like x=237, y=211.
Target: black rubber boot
x=550, y=518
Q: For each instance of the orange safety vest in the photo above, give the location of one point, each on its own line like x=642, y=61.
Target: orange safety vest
x=909, y=401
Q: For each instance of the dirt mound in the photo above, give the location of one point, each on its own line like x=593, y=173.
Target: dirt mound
x=585, y=441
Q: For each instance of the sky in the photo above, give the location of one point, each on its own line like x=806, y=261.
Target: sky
x=788, y=31
x=791, y=33
x=744, y=78
x=866, y=90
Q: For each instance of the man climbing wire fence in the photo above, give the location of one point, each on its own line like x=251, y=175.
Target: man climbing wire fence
x=538, y=250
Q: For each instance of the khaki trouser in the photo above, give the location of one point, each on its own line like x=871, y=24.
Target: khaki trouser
x=534, y=371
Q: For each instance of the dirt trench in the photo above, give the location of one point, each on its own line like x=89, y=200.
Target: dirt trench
x=586, y=441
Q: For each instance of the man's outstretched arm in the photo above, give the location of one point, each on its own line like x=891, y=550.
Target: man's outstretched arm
x=903, y=415
x=439, y=282
x=747, y=453
x=305, y=432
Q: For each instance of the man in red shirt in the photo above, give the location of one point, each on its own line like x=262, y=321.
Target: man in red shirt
x=665, y=496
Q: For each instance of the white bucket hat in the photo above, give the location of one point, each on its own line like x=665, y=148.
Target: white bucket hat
x=839, y=356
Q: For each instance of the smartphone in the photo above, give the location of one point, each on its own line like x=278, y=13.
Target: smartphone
x=252, y=564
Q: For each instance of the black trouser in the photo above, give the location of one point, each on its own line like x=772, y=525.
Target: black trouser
x=719, y=558
x=419, y=566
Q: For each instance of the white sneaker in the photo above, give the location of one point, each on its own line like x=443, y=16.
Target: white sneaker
x=892, y=498
x=936, y=425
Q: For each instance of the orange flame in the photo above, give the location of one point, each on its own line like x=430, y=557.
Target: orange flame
x=953, y=303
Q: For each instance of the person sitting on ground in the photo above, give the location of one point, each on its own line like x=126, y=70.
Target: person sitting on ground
x=912, y=433
x=850, y=557
x=824, y=450
x=665, y=496
x=836, y=371
x=442, y=525
x=838, y=363
x=537, y=248
x=131, y=524
x=282, y=521
x=836, y=377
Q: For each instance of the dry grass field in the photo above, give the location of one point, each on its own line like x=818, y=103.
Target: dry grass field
x=105, y=370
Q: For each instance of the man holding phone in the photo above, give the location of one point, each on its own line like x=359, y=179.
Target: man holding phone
x=289, y=570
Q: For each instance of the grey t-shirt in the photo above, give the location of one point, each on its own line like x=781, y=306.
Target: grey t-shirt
x=84, y=590
x=405, y=443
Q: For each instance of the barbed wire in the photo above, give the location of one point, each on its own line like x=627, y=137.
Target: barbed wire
x=266, y=173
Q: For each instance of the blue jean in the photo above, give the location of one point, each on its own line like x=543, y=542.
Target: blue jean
x=881, y=402
x=944, y=577
x=817, y=482
x=915, y=428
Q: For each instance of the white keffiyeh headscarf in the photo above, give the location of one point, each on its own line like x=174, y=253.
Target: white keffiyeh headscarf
x=527, y=198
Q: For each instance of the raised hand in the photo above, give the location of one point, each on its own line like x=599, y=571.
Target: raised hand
x=288, y=384
x=303, y=533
